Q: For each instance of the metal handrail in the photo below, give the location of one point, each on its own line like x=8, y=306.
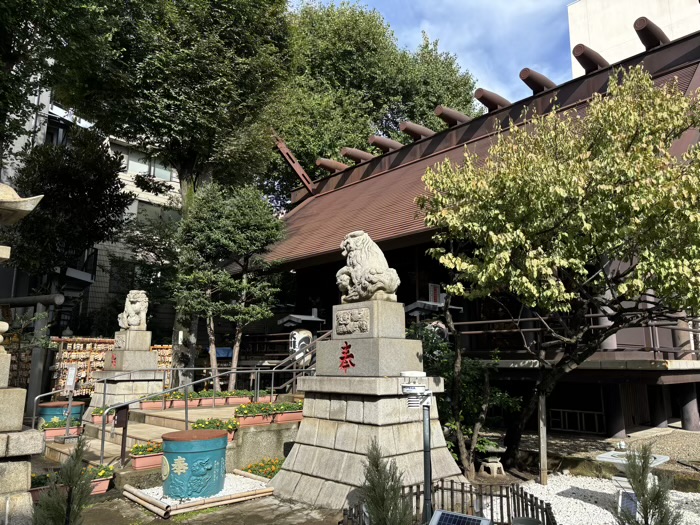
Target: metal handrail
x=294, y=357
x=111, y=377
x=307, y=353
x=186, y=387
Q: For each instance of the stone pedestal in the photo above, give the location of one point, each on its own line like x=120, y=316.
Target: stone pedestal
x=16, y=447
x=348, y=406
x=5, y=360
x=131, y=354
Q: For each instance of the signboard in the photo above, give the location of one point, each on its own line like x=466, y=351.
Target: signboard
x=70, y=378
x=434, y=293
x=121, y=417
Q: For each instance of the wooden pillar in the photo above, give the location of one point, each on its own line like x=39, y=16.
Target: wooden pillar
x=657, y=406
x=688, y=399
x=542, y=431
x=614, y=414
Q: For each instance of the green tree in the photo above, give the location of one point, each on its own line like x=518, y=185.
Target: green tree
x=68, y=494
x=573, y=216
x=84, y=202
x=465, y=415
x=652, y=492
x=226, y=228
x=381, y=490
x=348, y=80
x=33, y=41
x=183, y=76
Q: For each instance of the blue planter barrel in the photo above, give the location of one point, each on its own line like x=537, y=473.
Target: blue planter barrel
x=48, y=411
x=194, y=463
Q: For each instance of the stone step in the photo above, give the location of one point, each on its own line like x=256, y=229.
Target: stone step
x=60, y=452
x=136, y=433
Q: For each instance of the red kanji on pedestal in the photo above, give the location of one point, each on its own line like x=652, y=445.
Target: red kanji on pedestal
x=114, y=360
x=346, y=358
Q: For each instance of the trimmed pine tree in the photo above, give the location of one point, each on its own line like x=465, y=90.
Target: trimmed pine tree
x=381, y=491
x=653, y=503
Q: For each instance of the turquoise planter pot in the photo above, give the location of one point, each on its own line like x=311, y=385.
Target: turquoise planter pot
x=59, y=409
x=194, y=463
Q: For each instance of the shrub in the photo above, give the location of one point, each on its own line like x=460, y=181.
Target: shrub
x=40, y=480
x=218, y=424
x=381, y=490
x=101, y=472
x=237, y=393
x=266, y=468
x=68, y=493
x=99, y=411
x=60, y=423
x=288, y=407
x=255, y=409
x=151, y=447
x=653, y=502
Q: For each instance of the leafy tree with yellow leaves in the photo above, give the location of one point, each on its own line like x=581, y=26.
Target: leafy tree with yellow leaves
x=576, y=216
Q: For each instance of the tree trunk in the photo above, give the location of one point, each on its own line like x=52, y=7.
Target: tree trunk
x=212, y=352
x=234, y=357
x=545, y=384
x=480, y=420
x=235, y=353
x=212, y=348
x=456, y=401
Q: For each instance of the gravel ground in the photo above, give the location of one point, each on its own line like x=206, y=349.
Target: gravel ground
x=233, y=484
x=679, y=445
x=583, y=501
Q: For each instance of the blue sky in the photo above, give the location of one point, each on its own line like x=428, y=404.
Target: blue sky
x=493, y=39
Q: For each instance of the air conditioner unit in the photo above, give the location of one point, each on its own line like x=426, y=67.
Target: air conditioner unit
x=443, y=517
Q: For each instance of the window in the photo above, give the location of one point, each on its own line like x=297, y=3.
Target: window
x=139, y=162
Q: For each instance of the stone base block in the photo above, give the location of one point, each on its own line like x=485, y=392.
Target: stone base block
x=20, y=508
x=368, y=386
x=326, y=465
x=15, y=476
x=12, y=403
x=369, y=319
x=123, y=388
x=375, y=357
x=21, y=443
x=125, y=360
x=137, y=340
x=326, y=477
x=121, y=375
x=4, y=369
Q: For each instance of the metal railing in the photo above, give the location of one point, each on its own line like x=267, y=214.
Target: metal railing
x=186, y=388
x=291, y=364
x=499, y=503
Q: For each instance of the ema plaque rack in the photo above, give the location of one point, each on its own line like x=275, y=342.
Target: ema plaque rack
x=443, y=517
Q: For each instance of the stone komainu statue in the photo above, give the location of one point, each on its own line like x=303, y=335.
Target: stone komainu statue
x=134, y=315
x=366, y=276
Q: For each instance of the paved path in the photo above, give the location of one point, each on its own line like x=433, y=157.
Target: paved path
x=111, y=510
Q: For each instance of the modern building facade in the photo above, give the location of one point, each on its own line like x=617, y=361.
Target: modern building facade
x=606, y=26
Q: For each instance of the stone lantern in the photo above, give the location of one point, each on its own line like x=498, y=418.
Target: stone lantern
x=16, y=445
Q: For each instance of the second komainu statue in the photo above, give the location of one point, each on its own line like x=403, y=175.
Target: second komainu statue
x=366, y=275
x=135, y=308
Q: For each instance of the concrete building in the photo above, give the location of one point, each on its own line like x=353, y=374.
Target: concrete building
x=606, y=25
x=91, y=285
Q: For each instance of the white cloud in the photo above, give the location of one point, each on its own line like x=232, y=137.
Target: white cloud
x=493, y=39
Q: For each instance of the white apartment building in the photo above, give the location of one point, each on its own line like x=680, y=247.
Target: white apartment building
x=606, y=26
